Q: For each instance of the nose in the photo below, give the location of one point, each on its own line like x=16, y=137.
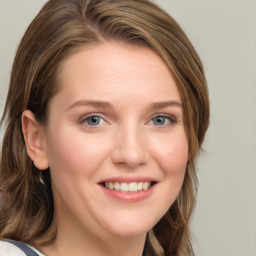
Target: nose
x=130, y=148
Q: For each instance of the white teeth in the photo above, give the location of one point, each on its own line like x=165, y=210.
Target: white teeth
x=140, y=186
x=133, y=186
x=145, y=185
x=128, y=187
x=111, y=186
x=116, y=186
x=124, y=187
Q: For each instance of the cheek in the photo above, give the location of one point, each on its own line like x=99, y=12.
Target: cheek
x=75, y=161
x=75, y=154
x=172, y=156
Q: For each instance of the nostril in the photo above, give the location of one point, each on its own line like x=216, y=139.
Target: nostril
x=130, y=151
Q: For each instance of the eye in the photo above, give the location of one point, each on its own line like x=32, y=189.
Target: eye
x=162, y=120
x=93, y=120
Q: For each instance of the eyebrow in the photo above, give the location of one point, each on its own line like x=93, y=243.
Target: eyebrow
x=94, y=103
x=158, y=105
x=105, y=104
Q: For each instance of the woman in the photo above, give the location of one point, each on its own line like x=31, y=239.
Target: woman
x=106, y=113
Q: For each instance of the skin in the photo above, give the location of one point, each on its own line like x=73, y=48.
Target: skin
x=128, y=141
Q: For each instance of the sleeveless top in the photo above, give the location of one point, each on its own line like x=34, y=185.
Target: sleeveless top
x=17, y=248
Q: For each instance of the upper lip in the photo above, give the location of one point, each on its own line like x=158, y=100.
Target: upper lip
x=128, y=179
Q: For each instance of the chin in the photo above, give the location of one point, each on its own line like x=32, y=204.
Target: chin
x=130, y=227
x=128, y=232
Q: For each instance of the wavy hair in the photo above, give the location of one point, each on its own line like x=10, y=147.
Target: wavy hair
x=61, y=28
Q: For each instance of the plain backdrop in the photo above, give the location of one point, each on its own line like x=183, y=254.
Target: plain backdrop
x=224, y=34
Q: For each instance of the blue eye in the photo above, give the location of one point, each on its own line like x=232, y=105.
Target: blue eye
x=161, y=120
x=94, y=120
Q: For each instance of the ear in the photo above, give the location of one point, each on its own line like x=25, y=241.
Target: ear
x=33, y=133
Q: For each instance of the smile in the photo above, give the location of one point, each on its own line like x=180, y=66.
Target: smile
x=128, y=187
x=128, y=190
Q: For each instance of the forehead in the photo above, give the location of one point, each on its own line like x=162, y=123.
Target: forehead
x=119, y=69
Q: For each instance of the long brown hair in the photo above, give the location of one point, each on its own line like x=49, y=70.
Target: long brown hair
x=60, y=28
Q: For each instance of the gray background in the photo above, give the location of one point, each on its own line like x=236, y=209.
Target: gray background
x=224, y=34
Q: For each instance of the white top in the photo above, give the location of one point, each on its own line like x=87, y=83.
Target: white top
x=8, y=249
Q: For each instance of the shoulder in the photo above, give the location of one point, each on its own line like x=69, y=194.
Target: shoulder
x=10, y=249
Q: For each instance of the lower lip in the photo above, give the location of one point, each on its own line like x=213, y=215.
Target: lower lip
x=129, y=196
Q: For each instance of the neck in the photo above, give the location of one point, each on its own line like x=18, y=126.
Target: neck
x=71, y=240
x=84, y=246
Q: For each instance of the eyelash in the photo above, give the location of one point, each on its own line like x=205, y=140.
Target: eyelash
x=86, y=118
x=171, y=119
x=166, y=117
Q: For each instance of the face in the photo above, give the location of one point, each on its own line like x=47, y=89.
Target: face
x=115, y=140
